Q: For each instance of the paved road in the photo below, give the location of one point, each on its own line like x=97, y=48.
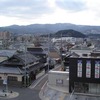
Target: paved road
x=31, y=93
x=79, y=97
x=28, y=93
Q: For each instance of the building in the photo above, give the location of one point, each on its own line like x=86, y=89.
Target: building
x=84, y=73
x=5, y=35
x=20, y=69
x=43, y=57
x=58, y=78
x=38, y=52
x=5, y=38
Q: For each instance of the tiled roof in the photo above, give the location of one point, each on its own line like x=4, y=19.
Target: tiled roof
x=20, y=59
x=26, y=57
x=7, y=53
x=10, y=70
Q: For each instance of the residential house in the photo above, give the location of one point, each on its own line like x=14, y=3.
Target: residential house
x=20, y=69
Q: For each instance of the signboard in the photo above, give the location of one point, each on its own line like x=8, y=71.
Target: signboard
x=79, y=68
x=59, y=81
x=88, y=69
x=97, y=69
x=5, y=81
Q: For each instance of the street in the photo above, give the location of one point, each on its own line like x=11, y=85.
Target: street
x=31, y=92
x=28, y=93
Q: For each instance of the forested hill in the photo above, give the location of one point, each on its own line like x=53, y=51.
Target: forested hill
x=69, y=33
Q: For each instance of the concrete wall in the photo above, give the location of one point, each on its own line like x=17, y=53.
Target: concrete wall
x=58, y=78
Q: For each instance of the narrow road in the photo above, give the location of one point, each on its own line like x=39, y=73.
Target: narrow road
x=38, y=87
x=30, y=93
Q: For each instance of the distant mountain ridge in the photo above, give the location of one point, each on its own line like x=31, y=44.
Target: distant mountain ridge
x=50, y=28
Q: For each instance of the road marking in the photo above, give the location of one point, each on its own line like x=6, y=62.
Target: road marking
x=42, y=93
x=44, y=85
x=32, y=87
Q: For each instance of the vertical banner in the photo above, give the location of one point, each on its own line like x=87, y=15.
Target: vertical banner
x=88, y=69
x=79, y=68
x=97, y=69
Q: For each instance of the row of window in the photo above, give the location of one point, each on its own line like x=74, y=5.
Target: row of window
x=88, y=69
x=12, y=78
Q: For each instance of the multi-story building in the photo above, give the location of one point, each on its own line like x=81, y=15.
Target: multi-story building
x=5, y=35
x=84, y=73
x=4, y=39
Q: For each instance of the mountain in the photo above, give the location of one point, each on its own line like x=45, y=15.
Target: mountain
x=69, y=33
x=50, y=28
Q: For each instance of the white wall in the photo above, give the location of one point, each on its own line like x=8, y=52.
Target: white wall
x=58, y=78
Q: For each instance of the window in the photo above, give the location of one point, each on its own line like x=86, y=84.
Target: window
x=12, y=78
x=97, y=69
x=79, y=68
x=88, y=69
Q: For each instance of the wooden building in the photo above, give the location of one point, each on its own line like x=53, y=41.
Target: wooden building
x=20, y=69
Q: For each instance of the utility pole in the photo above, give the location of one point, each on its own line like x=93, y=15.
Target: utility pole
x=5, y=82
x=61, y=54
x=48, y=52
x=25, y=76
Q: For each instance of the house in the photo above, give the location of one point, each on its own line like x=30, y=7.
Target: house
x=39, y=53
x=20, y=69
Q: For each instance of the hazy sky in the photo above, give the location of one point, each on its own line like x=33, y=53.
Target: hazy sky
x=24, y=12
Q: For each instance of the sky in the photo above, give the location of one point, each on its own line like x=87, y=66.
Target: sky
x=25, y=12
